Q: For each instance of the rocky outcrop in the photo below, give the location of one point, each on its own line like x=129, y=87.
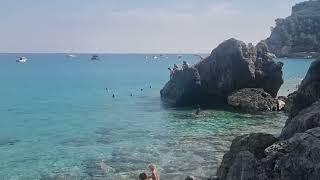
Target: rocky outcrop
x=233, y=65
x=252, y=100
x=253, y=143
x=297, y=35
x=296, y=155
x=306, y=119
x=295, y=158
x=184, y=88
x=308, y=92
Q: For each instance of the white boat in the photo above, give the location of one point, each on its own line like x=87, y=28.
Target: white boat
x=21, y=59
x=95, y=58
x=71, y=56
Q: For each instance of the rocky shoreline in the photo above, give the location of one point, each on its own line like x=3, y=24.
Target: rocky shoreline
x=292, y=155
x=247, y=78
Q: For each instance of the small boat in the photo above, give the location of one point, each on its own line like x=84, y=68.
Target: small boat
x=95, y=58
x=71, y=56
x=21, y=59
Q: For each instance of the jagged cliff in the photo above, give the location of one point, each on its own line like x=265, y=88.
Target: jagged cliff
x=298, y=34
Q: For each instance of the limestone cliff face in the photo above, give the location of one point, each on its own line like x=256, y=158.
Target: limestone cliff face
x=297, y=33
x=233, y=65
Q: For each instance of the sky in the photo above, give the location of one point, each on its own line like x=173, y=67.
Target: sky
x=134, y=26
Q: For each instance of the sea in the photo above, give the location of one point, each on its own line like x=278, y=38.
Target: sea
x=60, y=121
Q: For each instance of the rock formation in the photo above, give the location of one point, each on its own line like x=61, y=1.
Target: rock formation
x=298, y=34
x=295, y=155
x=252, y=100
x=232, y=66
x=308, y=92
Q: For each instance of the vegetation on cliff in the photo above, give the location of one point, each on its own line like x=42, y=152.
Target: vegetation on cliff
x=299, y=33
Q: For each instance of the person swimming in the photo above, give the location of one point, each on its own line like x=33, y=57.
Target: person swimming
x=154, y=172
x=198, y=110
x=131, y=94
x=143, y=176
x=113, y=96
x=141, y=89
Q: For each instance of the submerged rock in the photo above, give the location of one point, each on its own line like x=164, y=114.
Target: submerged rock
x=252, y=100
x=233, y=65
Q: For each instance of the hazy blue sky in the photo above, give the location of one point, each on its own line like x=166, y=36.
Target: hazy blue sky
x=117, y=26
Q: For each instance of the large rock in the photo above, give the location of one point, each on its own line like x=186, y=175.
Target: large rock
x=253, y=143
x=306, y=119
x=233, y=65
x=184, y=88
x=252, y=100
x=308, y=92
x=297, y=158
x=245, y=165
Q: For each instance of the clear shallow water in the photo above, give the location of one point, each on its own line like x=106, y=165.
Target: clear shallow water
x=59, y=122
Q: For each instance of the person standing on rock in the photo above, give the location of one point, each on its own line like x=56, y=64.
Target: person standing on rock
x=175, y=68
x=185, y=65
x=171, y=72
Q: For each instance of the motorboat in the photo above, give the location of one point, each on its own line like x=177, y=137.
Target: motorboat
x=21, y=59
x=95, y=58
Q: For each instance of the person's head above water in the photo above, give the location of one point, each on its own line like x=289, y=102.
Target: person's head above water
x=152, y=167
x=143, y=176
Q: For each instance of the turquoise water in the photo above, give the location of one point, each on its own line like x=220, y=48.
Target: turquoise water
x=58, y=121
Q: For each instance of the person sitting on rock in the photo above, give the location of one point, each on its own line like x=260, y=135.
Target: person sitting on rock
x=143, y=176
x=154, y=172
x=185, y=65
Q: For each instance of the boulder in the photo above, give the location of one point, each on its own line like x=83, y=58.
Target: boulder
x=254, y=143
x=245, y=165
x=252, y=100
x=308, y=92
x=231, y=66
x=296, y=158
x=306, y=119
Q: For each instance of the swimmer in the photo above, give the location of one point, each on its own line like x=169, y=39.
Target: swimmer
x=113, y=96
x=154, y=172
x=131, y=94
x=198, y=110
x=150, y=87
x=143, y=176
x=141, y=89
